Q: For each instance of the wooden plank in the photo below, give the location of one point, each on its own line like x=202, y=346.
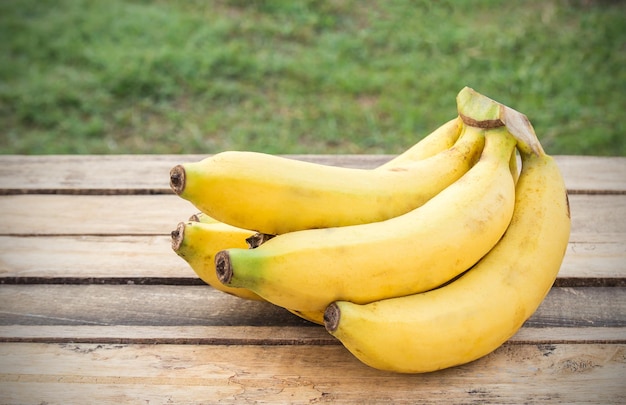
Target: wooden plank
x=581, y=306
x=92, y=215
x=85, y=258
x=592, y=174
x=93, y=304
x=150, y=259
x=598, y=218
x=262, y=335
x=595, y=218
x=167, y=305
x=145, y=174
x=593, y=264
x=101, y=373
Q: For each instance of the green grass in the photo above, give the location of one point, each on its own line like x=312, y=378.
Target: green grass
x=340, y=76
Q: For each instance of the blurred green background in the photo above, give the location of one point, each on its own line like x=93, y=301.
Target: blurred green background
x=280, y=76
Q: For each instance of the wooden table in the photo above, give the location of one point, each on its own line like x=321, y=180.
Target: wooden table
x=96, y=308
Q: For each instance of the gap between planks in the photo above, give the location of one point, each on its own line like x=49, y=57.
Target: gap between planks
x=264, y=335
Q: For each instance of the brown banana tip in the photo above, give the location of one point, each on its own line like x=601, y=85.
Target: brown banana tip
x=194, y=218
x=223, y=267
x=258, y=239
x=177, y=236
x=177, y=179
x=332, y=314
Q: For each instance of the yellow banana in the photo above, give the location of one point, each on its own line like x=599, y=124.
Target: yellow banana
x=275, y=195
x=514, y=167
x=437, y=141
x=198, y=242
x=473, y=315
x=440, y=139
x=417, y=251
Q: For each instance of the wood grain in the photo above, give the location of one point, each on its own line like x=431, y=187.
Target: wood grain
x=102, y=373
x=92, y=215
x=92, y=259
x=595, y=218
x=167, y=305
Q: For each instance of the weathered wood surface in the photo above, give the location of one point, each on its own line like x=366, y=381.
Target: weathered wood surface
x=163, y=374
x=96, y=308
x=168, y=305
x=73, y=373
x=595, y=218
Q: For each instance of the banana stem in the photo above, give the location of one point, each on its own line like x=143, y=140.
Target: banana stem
x=478, y=110
x=523, y=131
x=177, y=179
x=223, y=267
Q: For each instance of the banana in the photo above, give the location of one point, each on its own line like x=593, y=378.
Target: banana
x=275, y=195
x=417, y=251
x=198, y=242
x=437, y=141
x=473, y=315
x=440, y=139
x=513, y=165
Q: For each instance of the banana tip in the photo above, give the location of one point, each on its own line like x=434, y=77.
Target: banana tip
x=223, y=267
x=178, y=235
x=177, y=179
x=332, y=314
x=258, y=239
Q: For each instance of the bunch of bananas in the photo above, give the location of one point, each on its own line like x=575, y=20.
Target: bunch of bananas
x=431, y=260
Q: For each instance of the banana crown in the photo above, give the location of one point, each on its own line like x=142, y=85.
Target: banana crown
x=431, y=260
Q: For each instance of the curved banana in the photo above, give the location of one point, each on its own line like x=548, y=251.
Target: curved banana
x=274, y=195
x=200, y=238
x=198, y=242
x=479, y=311
x=417, y=251
x=437, y=141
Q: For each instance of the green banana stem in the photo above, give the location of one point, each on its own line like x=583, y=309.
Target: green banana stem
x=480, y=111
x=477, y=110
